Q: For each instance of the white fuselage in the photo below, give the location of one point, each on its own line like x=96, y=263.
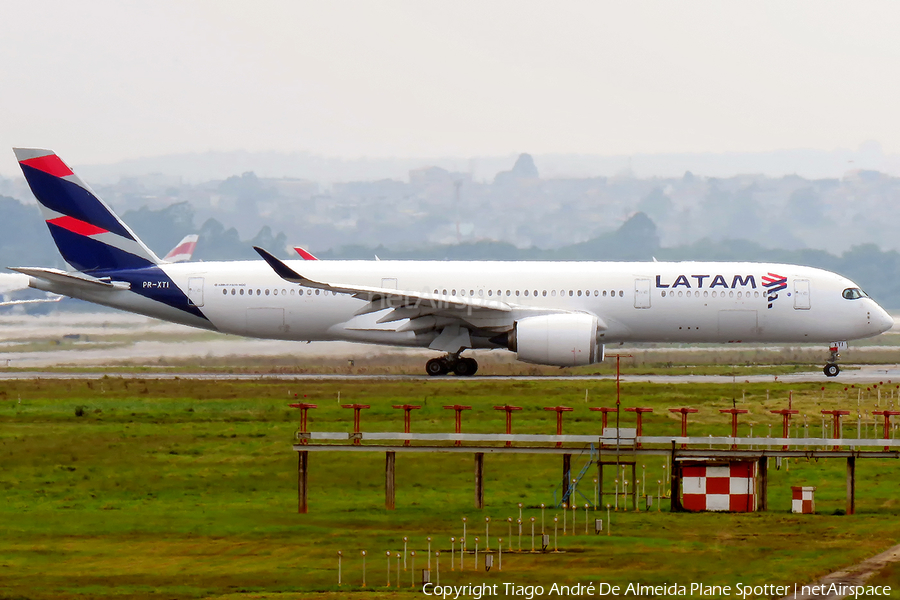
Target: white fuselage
x=637, y=302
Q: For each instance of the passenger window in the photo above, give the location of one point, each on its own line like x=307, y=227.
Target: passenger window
x=571, y=293
x=579, y=293
x=526, y=292
x=275, y=292
x=517, y=292
x=544, y=293
x=553, y=293
x=258, y=292
x=242, y=291
x=490, y=292
x=317, y=292
x=621, y=294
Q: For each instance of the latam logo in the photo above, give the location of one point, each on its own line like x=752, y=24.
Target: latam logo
x=714, y=282
x=773, y=284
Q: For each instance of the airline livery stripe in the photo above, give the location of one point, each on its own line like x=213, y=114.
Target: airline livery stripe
x=183, y=248
x=77, y=226
x=50, y=164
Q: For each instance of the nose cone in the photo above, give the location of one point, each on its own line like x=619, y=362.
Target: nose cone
x=881, y=320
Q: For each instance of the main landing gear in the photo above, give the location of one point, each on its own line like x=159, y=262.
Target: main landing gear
x=464, y=367
x=831, y=368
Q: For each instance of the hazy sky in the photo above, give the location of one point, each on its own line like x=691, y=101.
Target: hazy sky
x=101, y=81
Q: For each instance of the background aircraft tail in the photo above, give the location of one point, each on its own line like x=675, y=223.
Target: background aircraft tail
x=89, y=235
x=183, y=250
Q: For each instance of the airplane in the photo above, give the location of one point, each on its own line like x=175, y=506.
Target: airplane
x=550, y=313
x=183, y=250
x=304, y=253
x=14, y=282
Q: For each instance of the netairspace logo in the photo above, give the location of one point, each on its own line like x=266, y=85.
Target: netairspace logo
x=700, y=590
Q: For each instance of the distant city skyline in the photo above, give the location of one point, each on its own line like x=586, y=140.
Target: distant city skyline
x=103, y=81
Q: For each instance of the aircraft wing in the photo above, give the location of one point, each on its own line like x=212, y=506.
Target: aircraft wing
x=425, y=310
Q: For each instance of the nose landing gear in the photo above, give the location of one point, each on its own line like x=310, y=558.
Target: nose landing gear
x=464, y=367
x=831, y=368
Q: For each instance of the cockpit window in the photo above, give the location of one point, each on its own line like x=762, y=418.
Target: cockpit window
x=854, y=293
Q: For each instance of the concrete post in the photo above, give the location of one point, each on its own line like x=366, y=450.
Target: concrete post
x=675, y=502
x=302, y=481
x=390, y=459
x=567, y=468
x=851, y=485
x=763, y=497
x=479, y=480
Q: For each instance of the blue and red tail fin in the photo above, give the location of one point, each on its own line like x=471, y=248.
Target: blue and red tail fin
x=87, y=232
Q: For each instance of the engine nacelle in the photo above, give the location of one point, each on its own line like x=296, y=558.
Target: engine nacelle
x=565, y=340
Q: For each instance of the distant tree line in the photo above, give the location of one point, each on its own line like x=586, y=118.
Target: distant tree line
x=25, y=241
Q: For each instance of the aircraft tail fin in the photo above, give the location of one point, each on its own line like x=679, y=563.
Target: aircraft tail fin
x=88, y=234
x=183, y=250
x=304, y=253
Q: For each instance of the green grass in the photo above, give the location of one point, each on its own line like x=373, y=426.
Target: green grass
x=187, y=489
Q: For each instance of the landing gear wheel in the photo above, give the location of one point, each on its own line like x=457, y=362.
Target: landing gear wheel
x=436, y=366
x=465, y=367
x=831, y=370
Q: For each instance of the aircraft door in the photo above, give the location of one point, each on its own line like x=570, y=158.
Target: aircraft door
x=642, y=293
x=801, y=294
x=195, y=291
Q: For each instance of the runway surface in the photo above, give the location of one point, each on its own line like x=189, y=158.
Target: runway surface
x=865, y=374
x=95, y=342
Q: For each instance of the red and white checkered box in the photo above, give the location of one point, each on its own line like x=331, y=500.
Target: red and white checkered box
x=803, y=500
x=729, y=487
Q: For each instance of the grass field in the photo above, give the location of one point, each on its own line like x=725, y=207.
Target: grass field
x=187, y=489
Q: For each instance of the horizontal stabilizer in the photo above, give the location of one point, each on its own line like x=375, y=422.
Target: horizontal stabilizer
x=64, y=278
x=35, y=301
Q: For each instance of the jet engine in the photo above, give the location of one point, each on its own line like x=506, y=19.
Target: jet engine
x=565, y=340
